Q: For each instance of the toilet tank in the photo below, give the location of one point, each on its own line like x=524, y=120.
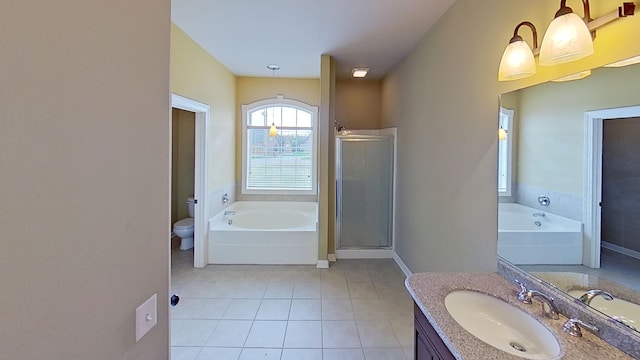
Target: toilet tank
x=190, y=203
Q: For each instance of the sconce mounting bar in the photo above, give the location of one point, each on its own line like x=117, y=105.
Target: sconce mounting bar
x=627, y=9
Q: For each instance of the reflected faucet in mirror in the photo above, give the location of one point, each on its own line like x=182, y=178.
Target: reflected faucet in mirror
x=589, y=295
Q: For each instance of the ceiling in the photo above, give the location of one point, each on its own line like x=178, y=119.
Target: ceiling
x=247, y=35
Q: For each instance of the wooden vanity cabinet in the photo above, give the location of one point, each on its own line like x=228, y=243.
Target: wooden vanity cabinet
x=427, y=343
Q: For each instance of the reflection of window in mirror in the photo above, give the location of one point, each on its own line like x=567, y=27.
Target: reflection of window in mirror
x=505, y=141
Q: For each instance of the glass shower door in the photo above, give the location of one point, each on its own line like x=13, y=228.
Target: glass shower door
x=364, y=204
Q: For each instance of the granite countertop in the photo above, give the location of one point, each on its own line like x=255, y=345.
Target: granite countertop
x=429, y=290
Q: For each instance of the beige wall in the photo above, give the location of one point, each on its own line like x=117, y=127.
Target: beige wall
x=443, y=98
x=551, y=128
x=197, y=75
x=84, y=108
x=183, y=162
x=358, y=103
x=252, y=89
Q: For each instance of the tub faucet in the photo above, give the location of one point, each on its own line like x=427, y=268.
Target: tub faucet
x=589, y=295
x=539, y=214
x=550, y=309
x=229, y=212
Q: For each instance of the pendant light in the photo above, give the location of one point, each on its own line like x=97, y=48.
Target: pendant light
x=567, y=38
x=502, y=134
x=273, y=132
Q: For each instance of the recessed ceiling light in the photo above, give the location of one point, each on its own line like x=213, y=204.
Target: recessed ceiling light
x=359, y=72
x=625, y=62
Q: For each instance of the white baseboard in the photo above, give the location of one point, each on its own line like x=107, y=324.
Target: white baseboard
x=401, y=264
x=365, y=254
x=620, y=249
x=322, y=264
x=331, y=257
x=372, y=254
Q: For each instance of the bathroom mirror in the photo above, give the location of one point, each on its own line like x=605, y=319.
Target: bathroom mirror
x=543, y=232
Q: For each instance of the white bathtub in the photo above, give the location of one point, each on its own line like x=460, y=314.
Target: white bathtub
x=265, y=232
x=556, y=240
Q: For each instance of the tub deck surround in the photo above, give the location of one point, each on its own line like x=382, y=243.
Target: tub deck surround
x=430, y=289
x=265, y=232
x=541, y=239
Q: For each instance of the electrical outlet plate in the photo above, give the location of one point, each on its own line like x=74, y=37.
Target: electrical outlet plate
x=146, y=316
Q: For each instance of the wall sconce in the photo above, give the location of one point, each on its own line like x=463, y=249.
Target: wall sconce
x=517, y=60
x=568, y=38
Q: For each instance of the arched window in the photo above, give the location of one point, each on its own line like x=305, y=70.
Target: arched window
x=284, y=162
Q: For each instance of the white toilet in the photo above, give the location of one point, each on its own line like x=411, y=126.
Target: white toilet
x=184, y=228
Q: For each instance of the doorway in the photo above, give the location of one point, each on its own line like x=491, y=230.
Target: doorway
x=183, y=130
x=200, y=189
x=621, y=186
x=593, y=178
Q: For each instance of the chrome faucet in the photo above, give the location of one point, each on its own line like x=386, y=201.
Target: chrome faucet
x=539, y=214
x=548, y=306
x=571, y=327
x=589, y=295
x=229, y=212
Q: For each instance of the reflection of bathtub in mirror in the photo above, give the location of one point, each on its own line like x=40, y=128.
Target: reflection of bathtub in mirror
x=621, y=310
x=531, y=236
x=626, y=304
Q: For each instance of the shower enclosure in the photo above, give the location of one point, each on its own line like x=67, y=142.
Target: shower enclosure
x=364, y=190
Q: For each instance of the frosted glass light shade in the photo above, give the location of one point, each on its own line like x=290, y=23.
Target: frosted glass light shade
x=567, y=39
x=272, y=131
x=517, y=62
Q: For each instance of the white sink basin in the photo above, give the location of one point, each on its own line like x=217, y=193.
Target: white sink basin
x=626, y=312
x=502, y=325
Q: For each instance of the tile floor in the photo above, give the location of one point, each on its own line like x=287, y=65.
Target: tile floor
x=356, y=310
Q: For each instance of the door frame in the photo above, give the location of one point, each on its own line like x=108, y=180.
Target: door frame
x=592, y=188
x=201, y=174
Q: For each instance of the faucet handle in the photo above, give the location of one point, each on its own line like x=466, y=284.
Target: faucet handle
x=524, y=294
x=571, y=327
